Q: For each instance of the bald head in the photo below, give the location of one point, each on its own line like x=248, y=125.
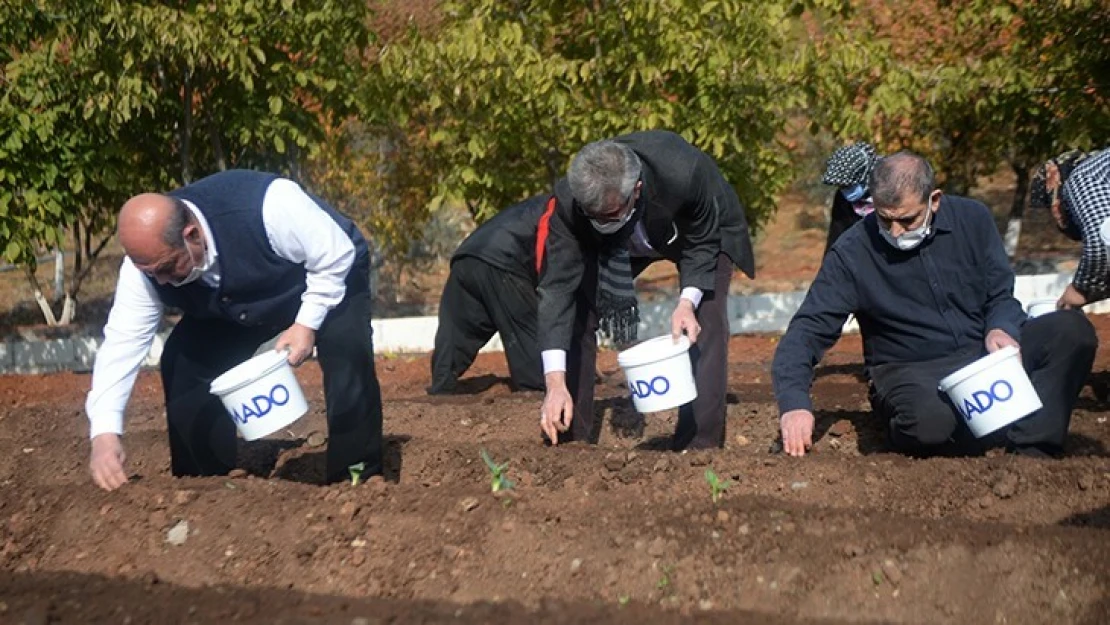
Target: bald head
x=900, y=178
x=151, y=225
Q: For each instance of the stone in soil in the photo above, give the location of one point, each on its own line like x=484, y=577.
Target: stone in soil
x=178, y=534
x=1005, y=485
x=842, y=427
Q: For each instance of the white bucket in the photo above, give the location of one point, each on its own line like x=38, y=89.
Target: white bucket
x=1039, y=307
x=261, y=395
x=659, y=373
x=992, y=392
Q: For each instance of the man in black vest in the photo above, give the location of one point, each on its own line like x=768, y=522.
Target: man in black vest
x=492, y=288
x=245, y=255
x=626, y=203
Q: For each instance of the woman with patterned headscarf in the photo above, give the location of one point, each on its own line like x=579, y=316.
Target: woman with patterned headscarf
x=1075, y=188
x=848, y=169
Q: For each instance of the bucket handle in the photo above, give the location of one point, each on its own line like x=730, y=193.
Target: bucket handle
x=285, y=350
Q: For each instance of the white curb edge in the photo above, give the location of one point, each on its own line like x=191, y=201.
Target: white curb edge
x=748, y=314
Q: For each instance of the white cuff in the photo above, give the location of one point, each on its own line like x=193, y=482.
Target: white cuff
x=312, y=315
x=694, y=294
x=110, y=423
x=554, y=360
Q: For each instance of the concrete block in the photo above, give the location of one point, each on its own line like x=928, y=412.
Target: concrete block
x=6, y=362
x=43, y=356
x=84, y=353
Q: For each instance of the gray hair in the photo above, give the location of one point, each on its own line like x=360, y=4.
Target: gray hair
x=601, y=174
x=173, y=235
x=899, y=177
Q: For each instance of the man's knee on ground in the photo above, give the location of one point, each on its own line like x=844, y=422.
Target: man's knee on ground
x=925, y=423
x=1075, y=329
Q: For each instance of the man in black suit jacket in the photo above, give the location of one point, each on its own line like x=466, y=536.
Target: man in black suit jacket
x=626, y=203
x=492, y=288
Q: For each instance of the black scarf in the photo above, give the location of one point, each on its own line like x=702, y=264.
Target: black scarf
x=617, y=309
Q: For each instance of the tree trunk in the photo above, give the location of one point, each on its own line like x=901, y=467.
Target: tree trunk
x=217, y=145
x=59, y=274
x=40, y=299
x=1017, y=209
x=186, y=130
x=69, y=311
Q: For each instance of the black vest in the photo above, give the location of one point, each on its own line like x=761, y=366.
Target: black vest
x=257, y=287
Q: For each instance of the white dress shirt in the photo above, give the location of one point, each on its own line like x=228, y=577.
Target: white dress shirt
x=298, y=231
x=639, y=247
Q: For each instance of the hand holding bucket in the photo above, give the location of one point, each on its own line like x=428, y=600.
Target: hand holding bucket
x=659, y=374
x=297, y=342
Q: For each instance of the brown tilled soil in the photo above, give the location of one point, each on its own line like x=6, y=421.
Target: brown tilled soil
x=617, y=533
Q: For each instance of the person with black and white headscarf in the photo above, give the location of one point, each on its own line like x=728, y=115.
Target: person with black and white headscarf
x=1075, y=187
x=847, y=169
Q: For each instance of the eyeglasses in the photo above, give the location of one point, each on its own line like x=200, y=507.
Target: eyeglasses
x=615, y=215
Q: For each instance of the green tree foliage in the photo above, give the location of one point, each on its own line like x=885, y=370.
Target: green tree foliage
x=496, y=101
x=100, y=99
x=970, y=84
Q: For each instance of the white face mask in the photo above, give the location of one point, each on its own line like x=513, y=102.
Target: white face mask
x=194, y=274
x=909, y=239
x=609, y=227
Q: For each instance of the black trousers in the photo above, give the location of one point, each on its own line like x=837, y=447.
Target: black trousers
x=1057, y=352
x=701, y=423
x=479, y=300
x=203, y=436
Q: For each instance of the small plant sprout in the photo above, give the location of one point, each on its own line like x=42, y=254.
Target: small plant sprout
x=664, y=582
x=717, y=486
x=356, y=472
x=498, y=482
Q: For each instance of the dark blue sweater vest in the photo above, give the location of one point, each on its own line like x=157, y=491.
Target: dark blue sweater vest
x=257, y=287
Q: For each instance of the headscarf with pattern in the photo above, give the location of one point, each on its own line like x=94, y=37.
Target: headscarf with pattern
x=850, y=165
x=1045, y=186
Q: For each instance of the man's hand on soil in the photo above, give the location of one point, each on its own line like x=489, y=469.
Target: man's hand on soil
x=106, y=461
x=797, y=432
x=558, y=408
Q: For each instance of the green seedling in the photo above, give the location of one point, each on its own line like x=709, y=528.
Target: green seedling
x=665, y=580
x=356, y=472
x=498, y=482
x=623, y=600
x=717, y=486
